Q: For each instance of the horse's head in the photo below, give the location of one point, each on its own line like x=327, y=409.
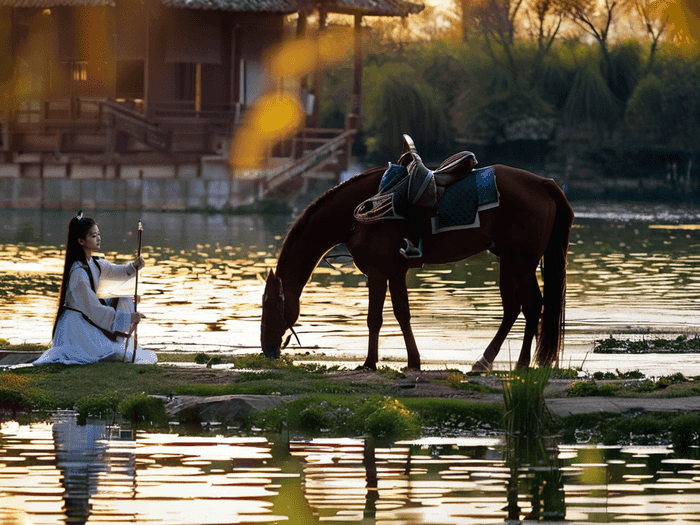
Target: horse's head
x=273, y=324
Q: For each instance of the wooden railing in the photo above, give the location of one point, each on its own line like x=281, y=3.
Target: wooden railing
x=324, y=149
x=134, y=124
x=59, y=112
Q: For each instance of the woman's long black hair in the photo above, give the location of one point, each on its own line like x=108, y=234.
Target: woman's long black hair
x=77, y=229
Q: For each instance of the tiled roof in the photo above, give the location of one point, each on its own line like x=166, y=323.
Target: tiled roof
x=54, y=3
x=373, y=7
x=251, y=6
x=365, y=7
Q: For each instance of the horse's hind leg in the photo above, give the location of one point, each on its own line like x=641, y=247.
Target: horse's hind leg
x=402, y=312
x=377, y=294
x=511, y=310
x=532, y=309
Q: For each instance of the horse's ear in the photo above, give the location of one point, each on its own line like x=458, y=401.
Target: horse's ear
x=270, y=276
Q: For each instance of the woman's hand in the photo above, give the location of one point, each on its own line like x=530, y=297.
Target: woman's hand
x=138, y=263
x=136, y=317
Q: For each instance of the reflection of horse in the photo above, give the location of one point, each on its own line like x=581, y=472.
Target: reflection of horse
x=533, y=219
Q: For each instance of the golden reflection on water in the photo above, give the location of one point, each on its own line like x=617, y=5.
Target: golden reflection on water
x=56, y=471
x=202, y=288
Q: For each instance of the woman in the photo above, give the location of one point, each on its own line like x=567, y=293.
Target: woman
x=86, y=330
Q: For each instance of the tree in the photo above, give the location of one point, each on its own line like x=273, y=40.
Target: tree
x=665, y=110
x=655, y=23
x=596, y=18
x=497, y=20
x=544, y=21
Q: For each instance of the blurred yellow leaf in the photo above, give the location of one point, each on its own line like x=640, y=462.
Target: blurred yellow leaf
x=274, y=117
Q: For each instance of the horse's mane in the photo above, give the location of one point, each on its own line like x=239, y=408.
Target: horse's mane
x=303, y=220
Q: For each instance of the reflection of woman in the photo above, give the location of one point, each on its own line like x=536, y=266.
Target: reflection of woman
x=87, y=330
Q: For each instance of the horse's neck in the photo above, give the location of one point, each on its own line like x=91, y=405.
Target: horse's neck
x=325, y=224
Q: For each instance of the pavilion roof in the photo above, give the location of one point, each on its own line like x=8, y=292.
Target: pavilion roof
x=350, y=7
x=250, y=6
x=371, y=7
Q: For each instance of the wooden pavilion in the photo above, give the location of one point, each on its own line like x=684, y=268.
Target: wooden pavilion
x=115, y=83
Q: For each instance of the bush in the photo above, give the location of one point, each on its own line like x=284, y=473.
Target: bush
x=103, y=406
x=582, y=389
x=387, y=419
x=685, y=433
x=142, y=409
x=591, y=388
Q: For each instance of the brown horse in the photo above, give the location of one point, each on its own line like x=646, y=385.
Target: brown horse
x=532, y=221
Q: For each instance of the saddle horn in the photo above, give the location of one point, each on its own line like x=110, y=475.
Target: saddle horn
x=408, y=145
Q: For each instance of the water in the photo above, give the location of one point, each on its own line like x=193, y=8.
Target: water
x=57, y=472
x=633, y=271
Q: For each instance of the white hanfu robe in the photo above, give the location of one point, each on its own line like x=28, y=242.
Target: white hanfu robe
x=79, y=336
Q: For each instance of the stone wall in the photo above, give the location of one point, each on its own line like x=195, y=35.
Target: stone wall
x=25, y=186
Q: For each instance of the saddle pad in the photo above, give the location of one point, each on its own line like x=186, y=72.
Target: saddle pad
x=460, y=205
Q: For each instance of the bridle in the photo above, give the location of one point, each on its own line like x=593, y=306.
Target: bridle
x=284, y=300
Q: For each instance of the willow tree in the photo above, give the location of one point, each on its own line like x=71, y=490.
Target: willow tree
x=590, y=99
x=400, y=102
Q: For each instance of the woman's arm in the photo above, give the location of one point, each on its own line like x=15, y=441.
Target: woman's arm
x=82, y=298
x=119, y=272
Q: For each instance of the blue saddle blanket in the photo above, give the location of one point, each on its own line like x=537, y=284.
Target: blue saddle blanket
x=459, y=206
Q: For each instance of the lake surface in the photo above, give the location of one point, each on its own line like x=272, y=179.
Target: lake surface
x=58, y=472
x=634, y=271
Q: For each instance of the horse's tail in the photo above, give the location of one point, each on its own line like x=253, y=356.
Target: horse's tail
x=554, y=274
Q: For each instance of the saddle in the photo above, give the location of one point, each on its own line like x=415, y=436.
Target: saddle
x=409, y=186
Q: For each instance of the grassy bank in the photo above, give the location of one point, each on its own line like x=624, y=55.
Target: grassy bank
x=327, y=400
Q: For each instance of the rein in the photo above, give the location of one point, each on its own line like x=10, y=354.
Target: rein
x=284, y=301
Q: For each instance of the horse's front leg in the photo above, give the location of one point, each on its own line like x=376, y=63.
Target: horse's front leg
x=402, y=312
x=377, y=294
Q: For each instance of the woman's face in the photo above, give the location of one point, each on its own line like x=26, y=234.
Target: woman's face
x=92, y=239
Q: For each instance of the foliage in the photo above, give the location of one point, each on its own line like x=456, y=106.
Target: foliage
x=143, y=410
x=205, y=359
x=20, y=394
x=590, y=99
x=685, y=433
x=664, y=110
x=505, y=107
x=455, y=379
x=645, y=428
x=625, y=68
x=590, y=389
x=399, y=102
x=680, y=344
x=379, y=417
x=101, y=406
x=554, y=79
x=386, y=418
x=564, y=373
x=523, y=398
x=450, y=415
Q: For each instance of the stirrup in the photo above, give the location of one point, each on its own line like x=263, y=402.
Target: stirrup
x=484, y=365
x=411, y=251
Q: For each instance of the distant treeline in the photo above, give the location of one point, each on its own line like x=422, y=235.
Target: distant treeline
x=623, y=105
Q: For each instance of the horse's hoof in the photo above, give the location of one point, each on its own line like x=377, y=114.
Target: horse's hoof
x=481, y=365
x=365, y=367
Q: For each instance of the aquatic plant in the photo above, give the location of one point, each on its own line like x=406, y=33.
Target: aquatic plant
x=526, y=451
x=680, y=344
x=523, y=396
